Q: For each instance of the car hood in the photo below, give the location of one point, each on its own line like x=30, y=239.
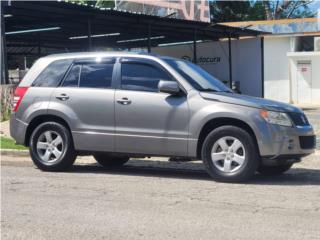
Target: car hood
x=249, y=101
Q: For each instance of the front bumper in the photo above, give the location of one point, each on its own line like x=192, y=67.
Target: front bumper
x=284, y=142
x=18, y=129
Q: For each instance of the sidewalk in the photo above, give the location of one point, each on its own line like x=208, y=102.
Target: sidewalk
x=5, y=129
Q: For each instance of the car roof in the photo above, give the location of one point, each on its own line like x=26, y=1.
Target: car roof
x=101, y=54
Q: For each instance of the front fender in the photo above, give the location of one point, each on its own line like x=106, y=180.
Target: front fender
x=247, y=115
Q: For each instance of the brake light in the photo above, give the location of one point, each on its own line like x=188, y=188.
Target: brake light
x=17, y=98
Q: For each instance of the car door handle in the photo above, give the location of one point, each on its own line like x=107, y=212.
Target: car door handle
x=124, y=101
x=62, y=97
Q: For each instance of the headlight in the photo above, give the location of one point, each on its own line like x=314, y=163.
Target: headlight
x=278, y=118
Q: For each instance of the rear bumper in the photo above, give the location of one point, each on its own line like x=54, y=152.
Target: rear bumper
x=18, y=129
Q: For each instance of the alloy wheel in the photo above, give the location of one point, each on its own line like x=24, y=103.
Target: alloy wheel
x=228, y=154
x=50, y=146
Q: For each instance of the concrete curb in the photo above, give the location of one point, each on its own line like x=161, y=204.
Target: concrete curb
x=14, y=153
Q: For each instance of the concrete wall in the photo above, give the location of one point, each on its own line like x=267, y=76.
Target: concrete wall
x=276, y=68
x=213, y=57
x=314, y=59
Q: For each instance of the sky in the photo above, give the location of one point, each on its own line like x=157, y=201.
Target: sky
x=314, y=6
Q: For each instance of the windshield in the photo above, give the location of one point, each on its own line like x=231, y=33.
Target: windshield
x=197, y=77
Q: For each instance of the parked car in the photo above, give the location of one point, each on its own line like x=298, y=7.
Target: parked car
x=117, y=105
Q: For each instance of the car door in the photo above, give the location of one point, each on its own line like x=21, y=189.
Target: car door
x=86, y=100
x=148, y=121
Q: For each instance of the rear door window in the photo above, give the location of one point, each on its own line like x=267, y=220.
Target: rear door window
x=52, y=75
x=89, y=75
x=96, y=75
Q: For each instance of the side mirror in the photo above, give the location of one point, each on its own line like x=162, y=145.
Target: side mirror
x=170, y=87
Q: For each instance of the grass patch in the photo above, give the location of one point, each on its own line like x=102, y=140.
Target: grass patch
x=7, y=143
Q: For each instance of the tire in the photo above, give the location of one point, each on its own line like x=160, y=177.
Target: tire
x=44, y=151
x=231, y=163
x=274, y=170
x=110, y=161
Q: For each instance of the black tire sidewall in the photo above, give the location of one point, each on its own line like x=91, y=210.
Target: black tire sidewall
x=251, y=163
x=68, y=155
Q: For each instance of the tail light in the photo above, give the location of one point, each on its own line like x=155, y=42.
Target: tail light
x=17, y=98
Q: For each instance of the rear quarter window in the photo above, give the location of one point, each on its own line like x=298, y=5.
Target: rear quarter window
x=52, y=74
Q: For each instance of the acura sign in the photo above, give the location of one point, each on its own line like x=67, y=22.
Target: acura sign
x=203, y=60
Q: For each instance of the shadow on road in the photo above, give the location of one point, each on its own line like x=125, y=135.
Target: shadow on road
x=194, y=170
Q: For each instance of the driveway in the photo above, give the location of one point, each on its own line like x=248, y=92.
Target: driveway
x=156, y=200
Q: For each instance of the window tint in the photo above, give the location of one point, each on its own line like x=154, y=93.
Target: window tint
x=142, y=77
x=52, y=74
x=72, y=78
x=96, y=75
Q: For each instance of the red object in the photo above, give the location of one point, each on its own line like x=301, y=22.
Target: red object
x=18, y=95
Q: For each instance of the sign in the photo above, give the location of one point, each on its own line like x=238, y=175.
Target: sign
x=193, y=10
x=203, y=59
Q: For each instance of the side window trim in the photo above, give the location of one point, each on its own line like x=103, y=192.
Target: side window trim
x=106, y=60
x=79, y=77
x=146, y=61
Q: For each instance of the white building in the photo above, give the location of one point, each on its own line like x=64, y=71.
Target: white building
x=287, y=70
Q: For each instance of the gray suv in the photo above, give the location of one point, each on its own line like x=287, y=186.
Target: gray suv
x=118, y=105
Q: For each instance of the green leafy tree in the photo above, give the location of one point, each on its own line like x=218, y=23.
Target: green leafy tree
x=228, y=11
x=233, y=11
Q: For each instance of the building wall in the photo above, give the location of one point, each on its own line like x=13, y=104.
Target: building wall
x=213, y=57
x=276, y=68
x=313, y=62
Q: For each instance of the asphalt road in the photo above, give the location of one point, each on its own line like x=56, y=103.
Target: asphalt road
x=156, y=200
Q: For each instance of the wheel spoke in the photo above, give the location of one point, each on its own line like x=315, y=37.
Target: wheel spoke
x=223, y=144
x=227, y=165
x=238, y=159
x=46, y=155
x=48, y=136
x=218, y=156
x=56, y=153
x=57, y=140
x=42, y=145
x=236, y=145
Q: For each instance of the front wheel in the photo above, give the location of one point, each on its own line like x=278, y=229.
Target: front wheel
x=51, y=147
x=109, y=161
x=274, y=170
x=230, y=154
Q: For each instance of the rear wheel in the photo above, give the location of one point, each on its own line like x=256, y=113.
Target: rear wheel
x=230, y=154
x=108, y=160
x=51, y=147
x=274, y=170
